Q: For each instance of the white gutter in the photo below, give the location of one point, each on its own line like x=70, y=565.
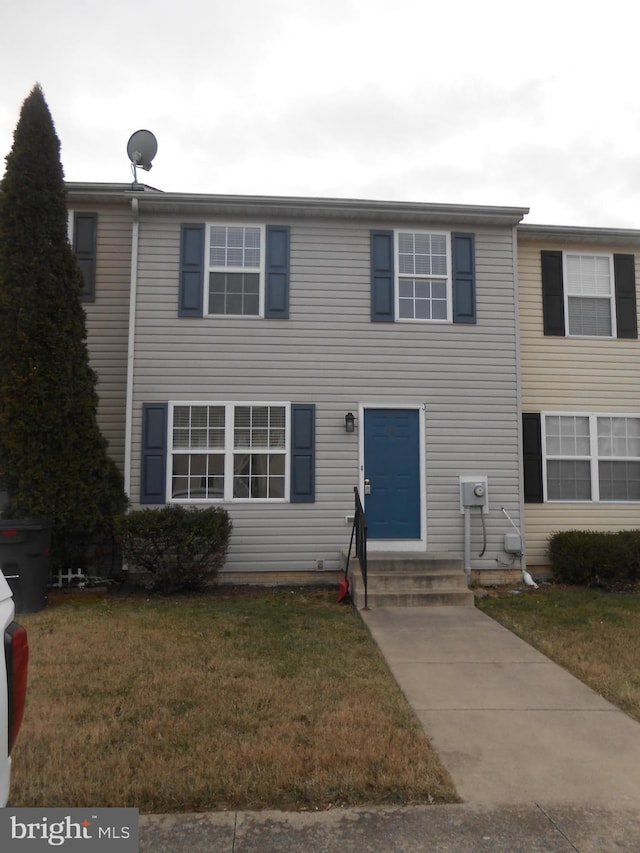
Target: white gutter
x=128, y=421
x=516, y=295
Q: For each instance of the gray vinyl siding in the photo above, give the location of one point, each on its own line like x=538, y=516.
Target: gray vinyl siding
x=331, y=354
x=108, y=321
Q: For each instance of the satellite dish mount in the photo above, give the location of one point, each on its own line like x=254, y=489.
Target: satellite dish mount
x=141, y=148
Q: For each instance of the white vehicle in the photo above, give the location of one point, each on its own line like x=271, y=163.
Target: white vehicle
x=13, y=683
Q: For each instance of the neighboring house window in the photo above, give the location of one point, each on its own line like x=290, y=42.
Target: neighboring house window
x=229, y=452
x=591, y=457
x=82, y=229
x=423, y=276
x=588, y=294
x=568, y=452
x=426, y=276
x=236, y=270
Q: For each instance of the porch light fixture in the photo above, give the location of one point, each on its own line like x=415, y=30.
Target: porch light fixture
x=350, y=422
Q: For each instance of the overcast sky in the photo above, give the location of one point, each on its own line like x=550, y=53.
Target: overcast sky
x=533, y=104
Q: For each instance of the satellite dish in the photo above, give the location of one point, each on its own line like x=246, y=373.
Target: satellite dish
x=141, y=148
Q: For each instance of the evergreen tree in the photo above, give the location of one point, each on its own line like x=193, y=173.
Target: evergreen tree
x=53, y=457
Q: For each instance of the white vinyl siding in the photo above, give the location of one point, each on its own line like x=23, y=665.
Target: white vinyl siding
x=423, y=263
x=589, y=295
x=591, y=457
x=225, y=452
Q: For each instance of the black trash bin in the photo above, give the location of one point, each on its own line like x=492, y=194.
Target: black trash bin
x=24, y=561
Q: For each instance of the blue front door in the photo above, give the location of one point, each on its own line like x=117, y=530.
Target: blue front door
x=392, y=473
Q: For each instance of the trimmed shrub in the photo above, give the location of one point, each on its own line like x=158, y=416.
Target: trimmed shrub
x=609, y=561
x=180, y=548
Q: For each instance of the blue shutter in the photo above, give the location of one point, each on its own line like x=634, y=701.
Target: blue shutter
x=154, y=453
x=276, y=301
x=626, y=310
x=190, y=299
x=464, y=278
x=382, y=283
x=84, y=245
x=303, y=453
x=552, y=293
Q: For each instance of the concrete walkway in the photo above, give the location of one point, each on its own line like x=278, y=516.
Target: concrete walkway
x=541, y=761
x=508, y=724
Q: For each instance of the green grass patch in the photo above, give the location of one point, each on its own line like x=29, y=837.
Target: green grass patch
x=226, y=699
x=593, y=634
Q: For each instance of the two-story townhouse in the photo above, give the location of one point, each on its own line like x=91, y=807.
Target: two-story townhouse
x=580, y=358
x=273, y=353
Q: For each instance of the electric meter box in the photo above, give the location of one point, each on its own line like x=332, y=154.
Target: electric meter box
x=474, y=492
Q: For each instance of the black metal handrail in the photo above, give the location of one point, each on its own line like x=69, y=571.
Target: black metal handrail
x=359, y=533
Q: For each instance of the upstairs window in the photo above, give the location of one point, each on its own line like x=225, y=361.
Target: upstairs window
x=422, y=276
x=424, y=285
x=232, y=270
x=236, y=270
x=590, y=297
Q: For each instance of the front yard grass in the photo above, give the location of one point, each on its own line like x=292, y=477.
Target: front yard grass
x=593, y=634
x=229, y=699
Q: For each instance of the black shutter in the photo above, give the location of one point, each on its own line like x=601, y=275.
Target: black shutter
x=464, y=278
x=154, y=453
x=303, y=453
x=276, y=302
x=626, y=311
x=85, y=226
x=191, y=287
x=552, y=293
x=382, y=285
x=532, y=457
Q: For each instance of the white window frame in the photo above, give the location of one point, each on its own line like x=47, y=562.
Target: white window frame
x=400, y=276
x=229, y=450
x=612, y=295
x=594, y=458
x=209, y=268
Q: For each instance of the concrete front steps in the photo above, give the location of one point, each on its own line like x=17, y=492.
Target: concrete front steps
x=397, y=579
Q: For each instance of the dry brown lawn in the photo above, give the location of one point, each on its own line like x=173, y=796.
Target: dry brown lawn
x=593, y=634
x=222, y=700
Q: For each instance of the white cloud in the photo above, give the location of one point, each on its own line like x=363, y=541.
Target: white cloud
x=492, y=103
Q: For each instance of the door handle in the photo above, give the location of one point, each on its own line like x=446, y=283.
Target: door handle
x=367, y=487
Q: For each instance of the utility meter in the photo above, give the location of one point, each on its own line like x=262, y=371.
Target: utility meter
x=473, y=492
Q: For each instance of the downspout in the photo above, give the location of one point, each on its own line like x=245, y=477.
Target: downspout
x=128, y=427
x=516, y=293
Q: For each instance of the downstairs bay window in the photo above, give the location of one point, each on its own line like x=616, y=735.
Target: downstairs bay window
x=229, y=451
x=215, y=451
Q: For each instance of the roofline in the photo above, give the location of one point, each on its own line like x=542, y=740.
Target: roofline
x=579, y=234
x=105, y=192
x=153, y=200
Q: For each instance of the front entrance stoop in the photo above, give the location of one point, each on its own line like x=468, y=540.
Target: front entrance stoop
x=400, y=579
